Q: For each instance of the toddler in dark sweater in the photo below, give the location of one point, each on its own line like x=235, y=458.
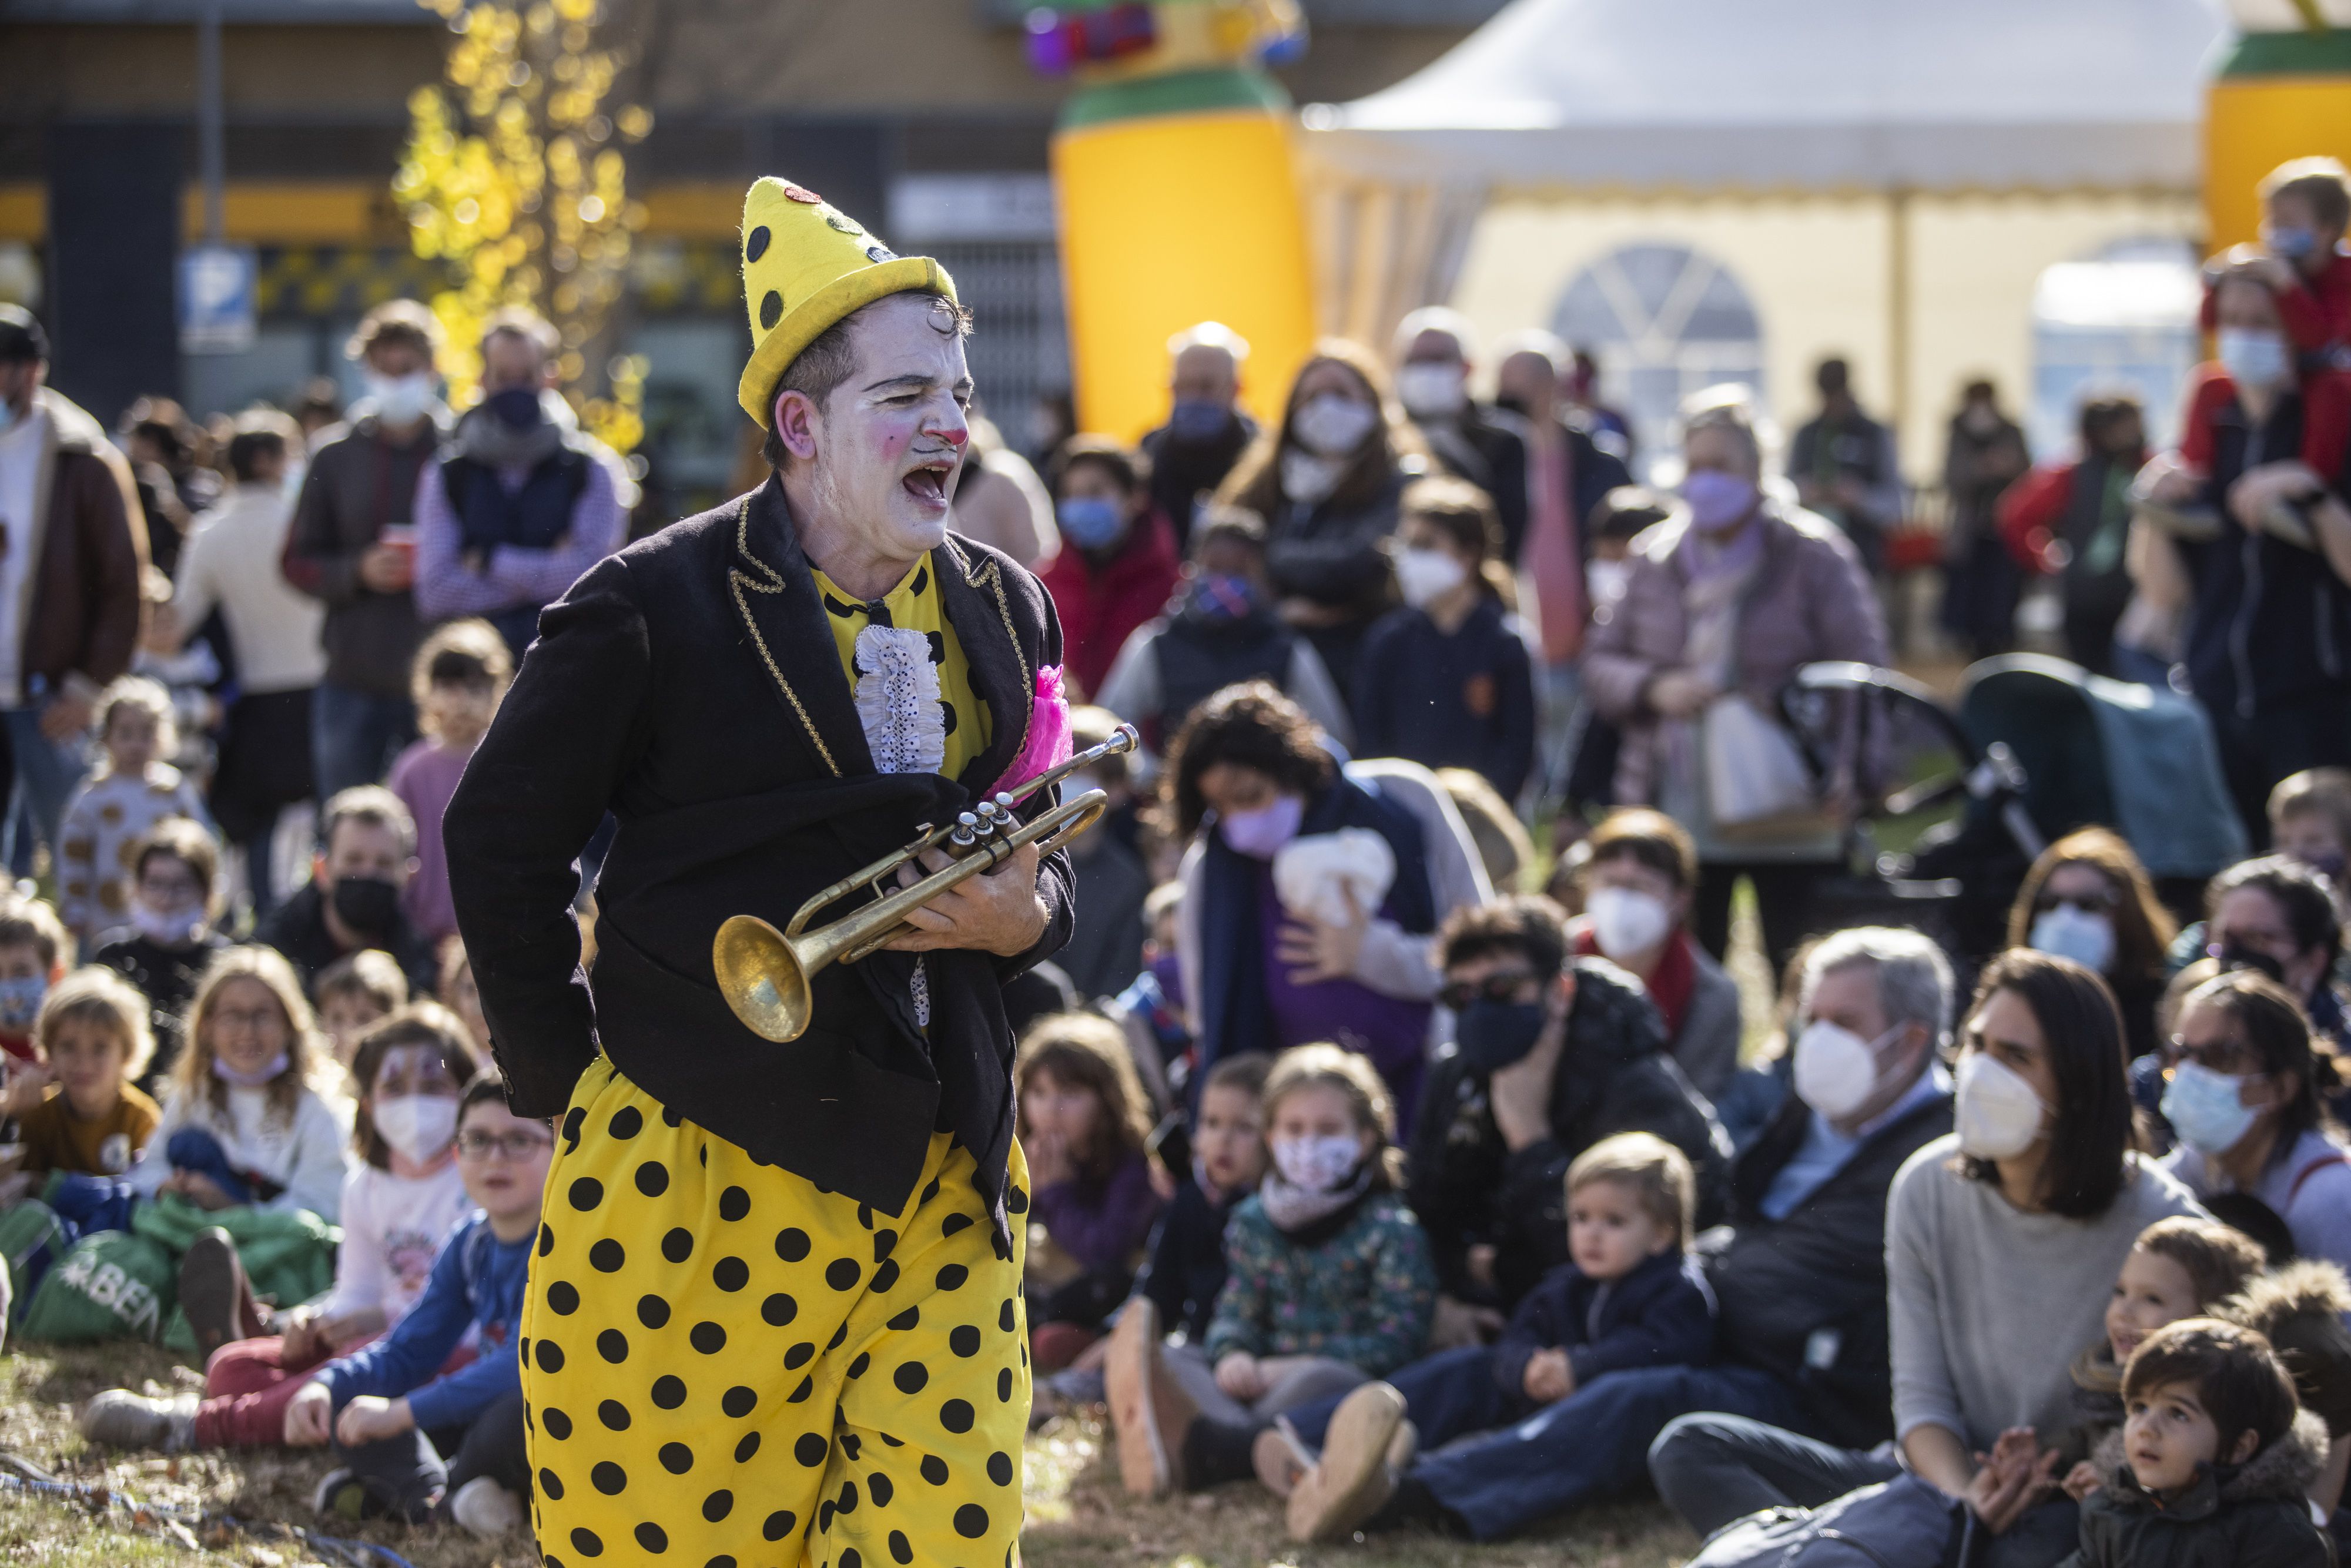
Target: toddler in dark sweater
x=1188, y=1256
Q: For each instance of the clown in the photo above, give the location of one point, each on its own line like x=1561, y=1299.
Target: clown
x=774, y=1312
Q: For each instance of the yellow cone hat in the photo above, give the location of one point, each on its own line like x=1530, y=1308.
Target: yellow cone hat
x=806, y=265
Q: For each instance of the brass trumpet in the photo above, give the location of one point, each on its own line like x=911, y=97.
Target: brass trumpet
x=766, y=975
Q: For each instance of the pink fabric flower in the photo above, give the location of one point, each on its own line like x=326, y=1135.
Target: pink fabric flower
x=1049, y=732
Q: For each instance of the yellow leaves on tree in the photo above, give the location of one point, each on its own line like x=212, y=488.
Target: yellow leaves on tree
x=514, y=179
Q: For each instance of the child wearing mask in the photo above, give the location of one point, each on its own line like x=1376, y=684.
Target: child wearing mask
x=1447, y=680
x=170, y=936
x=80, y=1110
x=1084, y=1121
x=1118, y=560
x=134, y=790
x=36, y=951
x=1329, y=1284
x=419, y=1442
x=249, y=1119
x=460, y=673
x=2214, y=1462
x=400, y=1203
x=355, y=992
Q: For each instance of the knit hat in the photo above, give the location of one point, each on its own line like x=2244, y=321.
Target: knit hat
x=806, y=265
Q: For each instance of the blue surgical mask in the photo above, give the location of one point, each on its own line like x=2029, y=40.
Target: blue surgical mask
x=1090, y=522
x=1198, y=419
x=20, y=1002
x=2254, y=356
x=2069, y=933
x=1218, y=596
x=2207, y=1108
x=2288, y=244
x=1717, y=499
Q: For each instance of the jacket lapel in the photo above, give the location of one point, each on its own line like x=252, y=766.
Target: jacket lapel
x=768, y=578
x=972, y=593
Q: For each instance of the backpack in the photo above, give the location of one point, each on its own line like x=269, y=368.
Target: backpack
x=1902, y=1523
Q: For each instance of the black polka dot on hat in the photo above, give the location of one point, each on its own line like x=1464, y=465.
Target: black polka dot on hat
x=843, y=1273
x=738, y=1401
x=608, y=1256
x=878, y=1487
x=964, y=1340
x=676, y=1457
x=669, y=1393
x=549, y=1357
x=609, y=1478
x=587, y=1192
x=800, y=1355
x=791, y=1244
x=780, y=1524
x=627, y=1122
x=957, y=1416
x=755, y=244
x=718, y=1505
x=779, y=1310
x=809, y=1450
x=546, y=1241
x=707, y=1337
x=999, y=1468
x=612, y=1345
x=549, y=1485
x=730, y=1274
x=971, y=1521
x=652, y=1312
x=734, y=1204
x=677, y=1245
x=614, y=1414
x=771, y=309
x=911, y=1377
x=562, y=1297
x=747, y=1448
x=555, y=1423
x=653, y=1178
x=900, y=1552
x=907, y=1319
x=880, y=253
x=934, y=1469
x=885, y=1276
x=653, y=1537
x=952, y=1275
x=587, y=1542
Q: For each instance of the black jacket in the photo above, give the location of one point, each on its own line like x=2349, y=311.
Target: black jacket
x=1187, y=1269
x=1487, y=446
x=2253, y=1515
x=690, y=685
x=1468, y=1187
x=1804, y=1298
x=1660, y=1314
x=1464, y=698
x=297, y=928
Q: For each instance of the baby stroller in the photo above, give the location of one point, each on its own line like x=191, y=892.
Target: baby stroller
x=1956, y=804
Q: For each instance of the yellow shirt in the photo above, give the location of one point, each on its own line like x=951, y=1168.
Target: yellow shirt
x=914, y=606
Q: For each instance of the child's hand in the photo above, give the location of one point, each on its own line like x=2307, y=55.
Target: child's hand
x=2082, y=1480
x=369, y=1419
x=28, y=1081
x=1549, y=1377
x=1239, y=1375
x=1049, y=1158
x=2013, y=1477
x=199, y=1189
x=302, y=1336
x=310, y=1416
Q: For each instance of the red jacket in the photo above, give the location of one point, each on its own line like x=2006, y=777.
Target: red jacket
x=2316, y=314
x=1100, y=605
x=2325, y=421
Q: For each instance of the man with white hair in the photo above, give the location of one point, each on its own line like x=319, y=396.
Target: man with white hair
x=1435, y=349
x=1205, y=432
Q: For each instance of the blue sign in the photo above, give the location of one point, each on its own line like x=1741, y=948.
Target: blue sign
x=218, y=284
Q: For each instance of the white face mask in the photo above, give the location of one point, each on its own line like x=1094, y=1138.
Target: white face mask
x=1627, y=922
x=1425, y=576
x=1433, y=389
x=401, y=400
x=1998, y=1114
x=1306, y=478
x=1331, y=425
x=2069, y=933
x=2254, y=356
x=1835, y=1069
x=1607, y=579
x=1317, y=1164
x=418, y=1126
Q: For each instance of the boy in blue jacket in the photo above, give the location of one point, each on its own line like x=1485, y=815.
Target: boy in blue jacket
x=1631, y=1298
x=390, y=1412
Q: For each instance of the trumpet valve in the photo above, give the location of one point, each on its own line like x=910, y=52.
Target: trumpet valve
x=966, y=831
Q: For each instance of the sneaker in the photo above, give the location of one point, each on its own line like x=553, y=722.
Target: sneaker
x=342, y=1495
x=213, y=1293
x=1351, y=1481
x=122, y=1419
x=482, y=1508
x=1148, y=1408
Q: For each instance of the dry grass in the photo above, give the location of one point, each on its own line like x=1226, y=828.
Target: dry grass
x=1078, y=1516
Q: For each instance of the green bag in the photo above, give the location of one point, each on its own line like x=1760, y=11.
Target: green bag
x=31, y=1239
x=112, y=1285
x=289, y=1257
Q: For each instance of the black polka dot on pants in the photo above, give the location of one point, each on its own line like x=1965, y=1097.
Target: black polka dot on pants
x=736, y=1435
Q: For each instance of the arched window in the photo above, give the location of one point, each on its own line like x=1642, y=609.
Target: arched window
x=2124, y=320
x=1663, y=320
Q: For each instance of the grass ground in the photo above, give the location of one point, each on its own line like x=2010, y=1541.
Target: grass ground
x=1078, y=1517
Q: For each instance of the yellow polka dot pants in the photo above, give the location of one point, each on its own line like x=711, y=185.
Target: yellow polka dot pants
x=728, y=1367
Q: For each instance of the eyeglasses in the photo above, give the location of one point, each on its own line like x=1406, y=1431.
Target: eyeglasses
x=515, y=1145
x=1499, y=988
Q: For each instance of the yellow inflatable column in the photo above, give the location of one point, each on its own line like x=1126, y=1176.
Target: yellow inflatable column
x=2276, y=96
x=1178, y=204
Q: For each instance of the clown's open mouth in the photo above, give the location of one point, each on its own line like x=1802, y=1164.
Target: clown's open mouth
x=928, y=484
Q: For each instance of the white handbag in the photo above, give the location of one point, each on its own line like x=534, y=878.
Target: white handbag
x=1757, y=782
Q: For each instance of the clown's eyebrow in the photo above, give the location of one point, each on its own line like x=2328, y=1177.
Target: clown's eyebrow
x=916, y=381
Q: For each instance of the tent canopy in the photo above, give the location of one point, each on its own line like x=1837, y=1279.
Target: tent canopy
x=1796, y=96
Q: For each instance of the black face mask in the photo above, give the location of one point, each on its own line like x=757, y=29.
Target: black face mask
x=1492, y=1035
x=367, y=904
x=2232, y=956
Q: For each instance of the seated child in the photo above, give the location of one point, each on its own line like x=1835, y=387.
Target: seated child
x=457, y=678
x=400, y=1203
x=169, y=937
x=2214, y=1461
x=1329, y=1283
x=1187, y=1270
x=2178, y=1267
x=354, y=993
x=415, y=1441
x=79, y=1110
x=1631, y=1298
x=34, y=954
x=135, y=787
x=1083, y=1120
x=249, y=1121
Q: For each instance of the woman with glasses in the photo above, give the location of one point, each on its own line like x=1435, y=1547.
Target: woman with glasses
x=2243, y=1092
x=2089, y=898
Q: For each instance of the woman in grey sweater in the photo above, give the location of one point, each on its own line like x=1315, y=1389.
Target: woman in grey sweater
x=2002, y=1242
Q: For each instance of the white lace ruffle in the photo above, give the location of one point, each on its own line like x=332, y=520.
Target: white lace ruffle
x=898, y=701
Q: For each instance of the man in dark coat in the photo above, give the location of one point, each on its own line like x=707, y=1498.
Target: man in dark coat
x=1205, y=432
x=822, y=1236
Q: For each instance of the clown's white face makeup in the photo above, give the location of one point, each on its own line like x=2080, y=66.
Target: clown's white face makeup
x=873, y=469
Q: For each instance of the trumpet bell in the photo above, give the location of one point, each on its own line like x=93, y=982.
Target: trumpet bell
x=762, y=978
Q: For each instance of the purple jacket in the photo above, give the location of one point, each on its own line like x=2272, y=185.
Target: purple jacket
x=1102, y=1224
x=1810, y=601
